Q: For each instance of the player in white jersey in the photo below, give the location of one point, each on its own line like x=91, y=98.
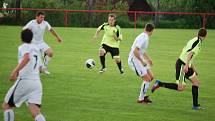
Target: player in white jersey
x=140, y=62
x=38, y=27
x=28, y=87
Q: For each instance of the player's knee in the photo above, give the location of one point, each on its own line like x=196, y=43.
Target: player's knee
x=195, y=83
x=117, y=60
x=181, y=88
x=5, y=106
x=35, y=112
x=50, y=54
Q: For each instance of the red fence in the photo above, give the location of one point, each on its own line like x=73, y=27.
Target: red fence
x=203, y=15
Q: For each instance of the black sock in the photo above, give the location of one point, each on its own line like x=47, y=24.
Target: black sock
x=102, y=60
x=169, y=85
x=119, y=65
x=195, y=94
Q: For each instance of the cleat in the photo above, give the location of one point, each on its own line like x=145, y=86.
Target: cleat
x=122, y=71
x=155, y=86
x=45, y=71
x=146, y=100
x=198, y=107
x=102, y=70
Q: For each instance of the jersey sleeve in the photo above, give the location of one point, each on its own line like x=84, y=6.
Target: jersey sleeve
x=48, y=26
x=28, y=25
x=24, y=49
x=118, y=33
x=140, y=42
x=101, y=27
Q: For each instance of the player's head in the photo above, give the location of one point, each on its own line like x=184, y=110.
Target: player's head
x=40, y=16
x=26, y=36
x=202, y=33
x=111, y=19
x=149, y=28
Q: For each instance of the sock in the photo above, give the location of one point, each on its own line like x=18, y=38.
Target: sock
x=102, y=60
x=195, y=95
x=169, y=85
x=46, y=60
x=143, y=89
x=40, y=117
x=8, y=115
x=119, y=65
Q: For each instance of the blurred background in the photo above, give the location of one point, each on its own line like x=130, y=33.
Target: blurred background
x=173, y=13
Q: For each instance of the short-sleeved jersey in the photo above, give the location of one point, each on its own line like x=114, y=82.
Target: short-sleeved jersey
x=109, y=32
x=31, y=69
x=140, y=42
x=194, y=46
x=38, y=30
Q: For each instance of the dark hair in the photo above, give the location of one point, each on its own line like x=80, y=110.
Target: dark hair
x=202, y=32
x=26, y=36
x=149, y=27
x=112, y=15
x=40, y=13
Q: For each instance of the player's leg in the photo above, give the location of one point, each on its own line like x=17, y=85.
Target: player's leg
x=35, y=112
x=174, y=86
x=102, y=53
x=143, y=98
x=47, y=55
x=115, y=54
x=195, y=88
x=8, y=112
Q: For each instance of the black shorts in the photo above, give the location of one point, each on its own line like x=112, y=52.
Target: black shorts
x=179, y=71
x=113, y=51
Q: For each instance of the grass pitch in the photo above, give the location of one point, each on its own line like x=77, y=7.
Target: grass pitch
x=74, y=93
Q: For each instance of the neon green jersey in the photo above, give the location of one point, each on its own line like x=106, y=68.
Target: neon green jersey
x=109, y=32
x=194, y=46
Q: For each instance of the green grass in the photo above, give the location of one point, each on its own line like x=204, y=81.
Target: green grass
x=74, y=93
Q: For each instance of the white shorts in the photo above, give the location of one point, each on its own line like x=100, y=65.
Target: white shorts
x=42, y=47
x=138, y=67
x=24, y=90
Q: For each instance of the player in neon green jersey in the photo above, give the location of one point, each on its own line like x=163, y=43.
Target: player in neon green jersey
x=186, y=69
x=110, y=42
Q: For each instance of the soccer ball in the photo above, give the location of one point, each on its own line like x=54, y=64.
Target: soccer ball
x=90, y=63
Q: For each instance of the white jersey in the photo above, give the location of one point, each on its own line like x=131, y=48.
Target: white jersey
x=31, y=69
x=140, y=42
x=38, y=30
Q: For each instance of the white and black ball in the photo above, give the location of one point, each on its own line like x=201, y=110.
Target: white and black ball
x=90, y=63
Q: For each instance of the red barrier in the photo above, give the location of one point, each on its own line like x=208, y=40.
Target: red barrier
x=204, y=15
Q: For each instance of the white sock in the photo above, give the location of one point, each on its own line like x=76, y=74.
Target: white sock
x=143, y=89
x=40, y=117
x=8, y=115
x=46, y=60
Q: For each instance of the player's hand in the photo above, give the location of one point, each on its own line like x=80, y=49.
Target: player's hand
x=13, y=75
x=94, y=38
x=186, y=68
x=59, y=39
x=150, y=62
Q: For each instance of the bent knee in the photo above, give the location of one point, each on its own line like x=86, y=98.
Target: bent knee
x=5, y=106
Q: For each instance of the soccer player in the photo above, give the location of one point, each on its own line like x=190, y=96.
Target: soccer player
x=28, y=87
x=38, y=27
x=186, y=69
x=110, y=42
x=140, y=62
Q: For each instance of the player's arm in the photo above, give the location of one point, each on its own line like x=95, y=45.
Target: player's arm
x=55, y=34
x=146, y=56
x=137, y=55
x=19, y=67
x=189, y=57
x=97, y=33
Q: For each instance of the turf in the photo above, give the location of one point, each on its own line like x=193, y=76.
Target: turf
x=74, y=93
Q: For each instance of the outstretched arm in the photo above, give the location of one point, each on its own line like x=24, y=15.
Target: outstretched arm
x=96, y=34
x=56, y=35
x=19, y=67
